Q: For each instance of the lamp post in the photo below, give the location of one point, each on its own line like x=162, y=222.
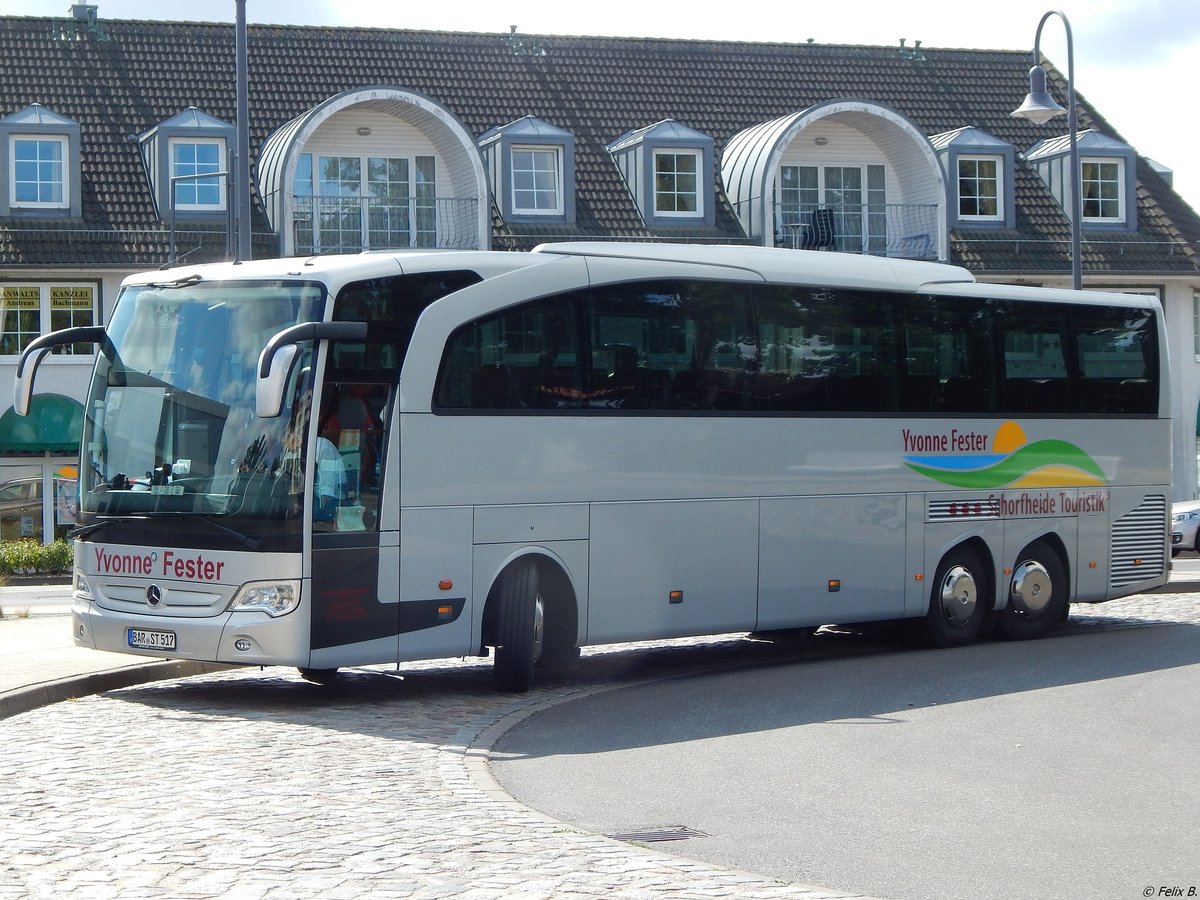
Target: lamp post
x=1039, y=107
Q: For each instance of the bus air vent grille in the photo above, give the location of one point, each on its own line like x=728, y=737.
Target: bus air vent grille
x=957, y=510
x=1139, y=546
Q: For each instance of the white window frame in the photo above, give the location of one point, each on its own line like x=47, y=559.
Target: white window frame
x=537, y=151
x=64, y=182
x=1196, y=323
x=1119, y=181
x=172, y=185
x=1001, y=212
x=698, y=194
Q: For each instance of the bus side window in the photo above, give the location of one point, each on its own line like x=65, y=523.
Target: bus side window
x=1118, y=360
x=950, y=355
x=349, y=472
x=1036, y=375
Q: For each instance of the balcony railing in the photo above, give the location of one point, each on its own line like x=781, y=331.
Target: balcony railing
x=354, y=224
x=905, y=230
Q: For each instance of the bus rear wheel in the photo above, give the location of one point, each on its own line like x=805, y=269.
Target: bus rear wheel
x=1037, y=594
x=520, y=626
x=958, y=602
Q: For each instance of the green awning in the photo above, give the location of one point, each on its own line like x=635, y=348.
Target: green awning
x=53, y=425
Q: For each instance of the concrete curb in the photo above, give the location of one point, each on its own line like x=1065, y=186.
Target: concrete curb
x=31, y=697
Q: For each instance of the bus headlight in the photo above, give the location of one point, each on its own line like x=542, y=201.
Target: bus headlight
x=80, y=587
x=275, y=598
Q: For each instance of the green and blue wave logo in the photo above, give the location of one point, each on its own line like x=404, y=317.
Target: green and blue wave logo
x=1013, y=462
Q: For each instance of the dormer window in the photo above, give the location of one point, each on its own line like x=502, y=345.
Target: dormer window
x=537, y=181
x=677, y=183
x=980, y=171
x=195, y=164
x=532, y=165
x=1106, y=170
x=1103, y=193
x=38, y=176
x=979, y=188
x=186, y=158
x=41, y=160
x=668, y=169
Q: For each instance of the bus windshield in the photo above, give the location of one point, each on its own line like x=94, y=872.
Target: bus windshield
x=171, y=427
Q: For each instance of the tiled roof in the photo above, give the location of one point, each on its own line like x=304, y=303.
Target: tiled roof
x=595, y=88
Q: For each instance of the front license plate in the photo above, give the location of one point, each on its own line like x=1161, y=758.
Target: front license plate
x=151, y=640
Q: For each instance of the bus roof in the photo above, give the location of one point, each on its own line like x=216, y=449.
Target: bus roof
x=780, y=265
x=1047, y=294
x=342, y=267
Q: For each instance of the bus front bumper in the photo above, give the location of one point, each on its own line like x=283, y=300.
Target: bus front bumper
x=238, y=638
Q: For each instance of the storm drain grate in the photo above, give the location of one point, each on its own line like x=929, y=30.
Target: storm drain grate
x=653, y=835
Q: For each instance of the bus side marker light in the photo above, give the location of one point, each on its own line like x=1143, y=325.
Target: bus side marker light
x=835, y=585
x=1092, y=564
x=1008, y=570
x=675, y=596
x=920, y=576
x=445, y=584
x=445, y=613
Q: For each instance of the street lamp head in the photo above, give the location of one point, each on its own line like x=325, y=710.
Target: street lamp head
x=1039, y=107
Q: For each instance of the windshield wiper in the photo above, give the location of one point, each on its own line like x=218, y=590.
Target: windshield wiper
x=186, y=281
x=85, y=530
x=244, y=539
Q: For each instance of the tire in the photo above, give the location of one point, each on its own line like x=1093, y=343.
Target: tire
x=959, y=601
x=1038, y=594
x=319, y=676
x=520, y=625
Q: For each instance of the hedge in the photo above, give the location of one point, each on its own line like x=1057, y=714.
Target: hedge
x=33, y=558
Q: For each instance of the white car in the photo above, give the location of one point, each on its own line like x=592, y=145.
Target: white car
x=1185, y=524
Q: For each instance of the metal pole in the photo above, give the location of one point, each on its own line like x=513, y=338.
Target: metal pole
x=1076, y=215
x=242, y=179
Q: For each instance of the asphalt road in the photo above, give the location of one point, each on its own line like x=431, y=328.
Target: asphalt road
x=1058, y=768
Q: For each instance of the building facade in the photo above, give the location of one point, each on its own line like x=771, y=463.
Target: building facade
x=116, y=140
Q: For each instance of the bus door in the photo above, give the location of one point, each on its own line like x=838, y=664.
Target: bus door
x=355, y=558
x=357, y=616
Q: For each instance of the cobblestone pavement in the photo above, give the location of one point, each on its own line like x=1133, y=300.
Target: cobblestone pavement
x=255, y=784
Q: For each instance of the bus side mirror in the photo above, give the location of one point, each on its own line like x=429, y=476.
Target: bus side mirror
x=33, y=355
x=277, y=358
x=268, y=392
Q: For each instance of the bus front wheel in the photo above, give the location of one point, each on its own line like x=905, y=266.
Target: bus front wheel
x=318, y=676
x=520, y=625
x=959, y=601
x=1037, y=594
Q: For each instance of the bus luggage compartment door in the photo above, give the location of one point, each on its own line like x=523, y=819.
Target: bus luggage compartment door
x=831, y=560
x=672, y=568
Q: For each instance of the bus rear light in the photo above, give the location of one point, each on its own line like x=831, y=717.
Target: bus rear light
x=275, y=598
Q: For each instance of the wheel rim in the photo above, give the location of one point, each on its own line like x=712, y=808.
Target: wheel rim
x=539, y=626
x=959, y=596
x=1032, y=588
